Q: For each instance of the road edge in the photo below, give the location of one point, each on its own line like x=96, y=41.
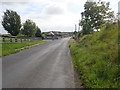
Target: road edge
x=77, y=80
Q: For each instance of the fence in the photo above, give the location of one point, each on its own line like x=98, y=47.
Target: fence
x=13, y=39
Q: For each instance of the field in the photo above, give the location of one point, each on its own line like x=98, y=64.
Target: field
x=95, y=57
x=10, y=48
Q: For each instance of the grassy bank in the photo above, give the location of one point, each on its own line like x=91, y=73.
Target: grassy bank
x=96, y=58
x=10, y=48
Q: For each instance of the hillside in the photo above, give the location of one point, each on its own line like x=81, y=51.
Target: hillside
x=95, y=57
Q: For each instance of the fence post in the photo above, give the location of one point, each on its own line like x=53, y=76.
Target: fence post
x=10, y=39
x=15, y=40
x=21, y=40
x=3, y=39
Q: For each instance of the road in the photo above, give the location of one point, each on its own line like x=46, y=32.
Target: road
x=45, y=66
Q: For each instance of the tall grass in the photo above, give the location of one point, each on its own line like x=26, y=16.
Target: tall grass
x=96, y=58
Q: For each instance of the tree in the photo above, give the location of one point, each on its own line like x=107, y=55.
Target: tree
x=38, y=32
x=11, y=22
x=96, y=15
x=29, y=28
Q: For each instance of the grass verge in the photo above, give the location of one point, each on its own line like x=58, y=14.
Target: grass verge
x=10, y=48
x=96, y=58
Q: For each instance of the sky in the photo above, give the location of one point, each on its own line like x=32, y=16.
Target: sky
x=49, y=15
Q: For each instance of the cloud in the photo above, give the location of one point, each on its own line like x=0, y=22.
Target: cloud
x=20, y=0
x=54, y=10
x=18, y=7
x=113, y=5
x=49, y=14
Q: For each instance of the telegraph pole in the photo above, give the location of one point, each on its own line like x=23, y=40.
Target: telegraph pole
x=119, y=14
x=75, y=27
x=119, y=10
x=78, y=28
x=75, y=32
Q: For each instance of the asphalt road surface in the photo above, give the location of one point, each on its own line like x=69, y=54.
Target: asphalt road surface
x=45, y=66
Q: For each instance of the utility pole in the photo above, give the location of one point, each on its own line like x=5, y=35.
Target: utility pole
x=78, y=28
x=75, y=32
x=75, y=27
x=119, y=10
x=119, y=14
